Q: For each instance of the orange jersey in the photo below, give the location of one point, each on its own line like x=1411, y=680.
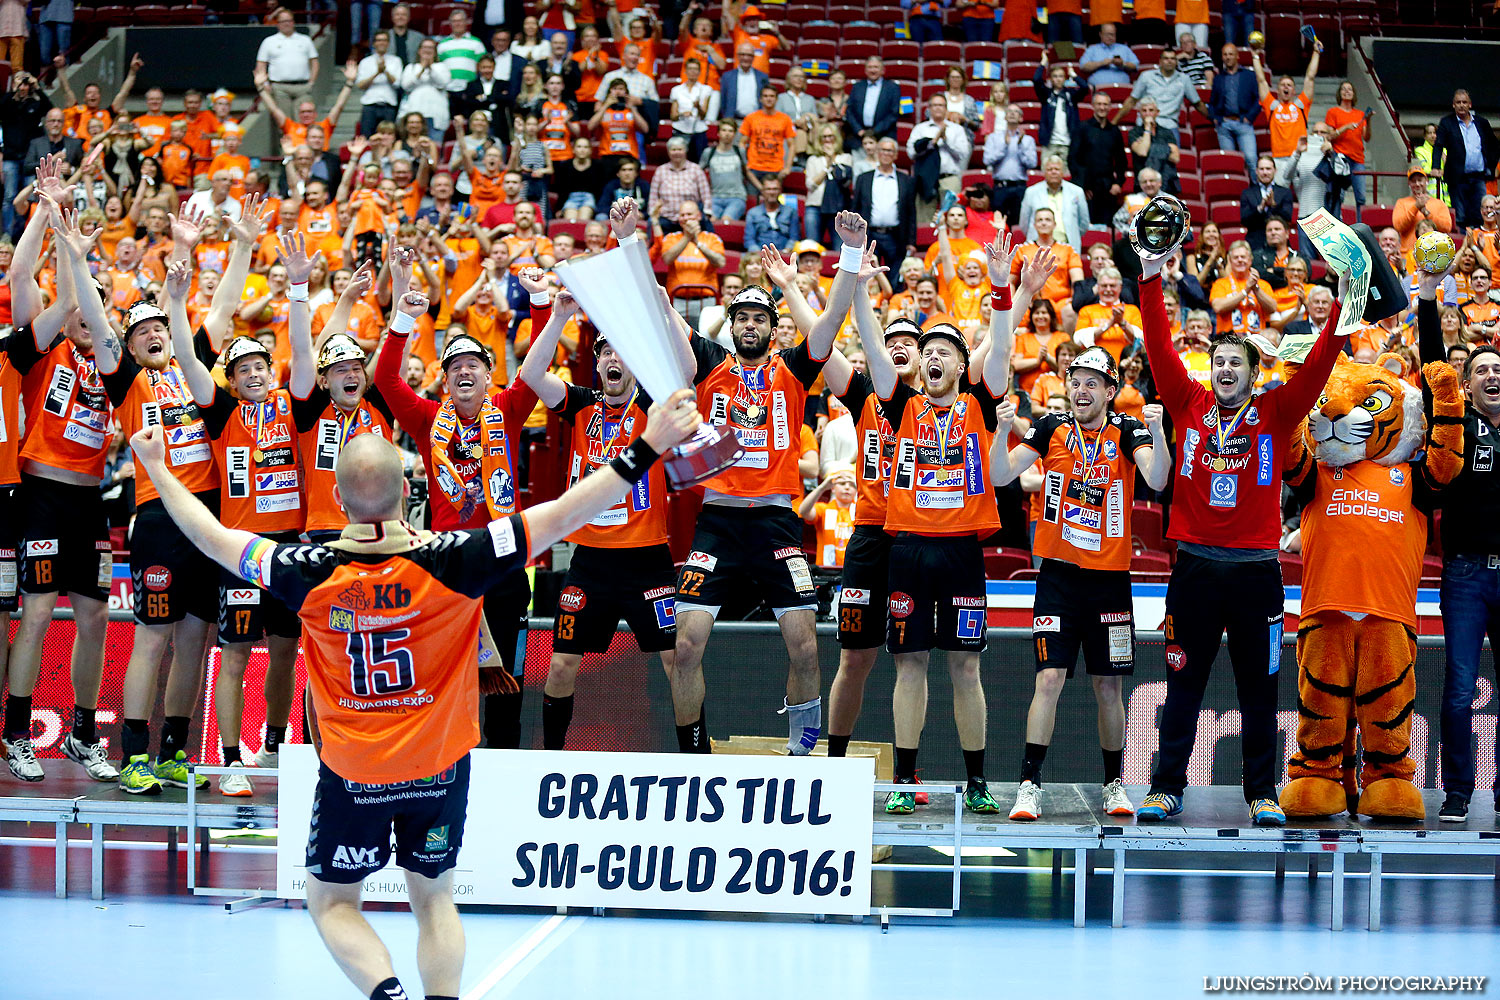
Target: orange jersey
x=212, y=256
x=488, y=325
x=965, y=301
x=1288, y=122
x=364, y=322
x=155, y=128
x=67, y=408
x=76, y=119
x=238, y=166
x=322, y=431
x=524, y=250
x=764, y=405
x=1088, y=489
x=297, y=132
x=600, y=432
x=1059, y=288
x=588, y=82
x=834, y=526
x=555, y=134
x=877, y=447
x=484, y=192
x=617, y=134
x=321, y=226
x=162, y=399
x=255, y=448
x=763, y=45
x=766, y=135
x=201, y=130
x=10, y=423
x=1112, y=337
x=176, y=163
x=1362, y=543
x=1029, y=345
x=392, y=641
x=1245, y=318
x=124, y=287
x=1129, y=402
x=960, y=246
x=940, y=481
x=111, y=233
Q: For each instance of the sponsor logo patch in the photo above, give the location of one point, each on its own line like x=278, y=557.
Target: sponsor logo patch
x=653, y=594
x=854, y=595
x=702, y=560
x=571, y=599
x=901, y=604
x=1109, y=617
x=666, y=612
x=970, y=623
x=285, y=479
x=277, y=502
x=437, y=838
x=242, y=595
x=503, y=537
x=969, y=602
x=786, y=553
x=157, y=578
x=1046, y=623
x=340, y=619
x=1083, y=517
x=1176, y=658
x=41, y=547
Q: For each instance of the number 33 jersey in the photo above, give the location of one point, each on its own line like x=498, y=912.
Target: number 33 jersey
x=392, y=640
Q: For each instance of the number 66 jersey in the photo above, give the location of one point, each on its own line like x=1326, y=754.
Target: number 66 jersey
x=390, y=624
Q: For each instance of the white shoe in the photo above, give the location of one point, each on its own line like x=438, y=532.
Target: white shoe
x=235, y=784
x=267, y=758
x=1028, y=802
x=91, y=757
x=1116, y=802
x=21, y=756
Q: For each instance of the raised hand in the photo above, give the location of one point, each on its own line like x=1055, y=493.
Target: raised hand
x=351, y=72
x=412, y=304
x=187, y=228
x=70, y=235
x=292, y=254
x=564, y=305
x=1151, y=415
x=401, y=260
x=360, y=282
x=781, y=271
x=179, y=278
x=1005, y=415
x=1037, y=270
x=999, y=255
x=136, y=62
x=254, y=218
x=624, y=217
x=49, y=178
x=852, y=228
x=869, y=265
x=533, y=279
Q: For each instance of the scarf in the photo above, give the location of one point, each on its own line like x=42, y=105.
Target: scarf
x=496, y=486
x=389, y=538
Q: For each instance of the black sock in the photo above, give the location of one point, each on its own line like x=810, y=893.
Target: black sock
x=974, y=764
x=557, y=712
x=693, y=737
x=135, y=738
x=83, y=726
x=838, y=746
x=275, y=736
x=174, y=736
x=390, y=989
x=1114, y=762
x=17, y=716
x=1031, y=764
x=906, y=764
x=231, y=755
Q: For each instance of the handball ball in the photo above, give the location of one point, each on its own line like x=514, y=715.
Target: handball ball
x=1434, y=252
x=1257, y=39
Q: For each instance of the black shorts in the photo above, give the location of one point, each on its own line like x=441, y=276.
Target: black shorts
x=67, y=539
x=352, y=824
x=1088, y=609
x=863, y=590
x=746, y=549
x=937, y=594
x=10, y=551
x=249, y=614
x=507, y=609
x=605, y=585
x=169, y=577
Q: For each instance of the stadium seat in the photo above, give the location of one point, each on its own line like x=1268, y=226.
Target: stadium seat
x=1291, y=569
x=943, y=52
x=817, y=49
x=862, y=33
x=999, y=564
x=1146, y=525
x=1150, y=562
x=898, y=49
x=1224, y=213
x=1221, y=161
x=1222, y=187
x=858, y=49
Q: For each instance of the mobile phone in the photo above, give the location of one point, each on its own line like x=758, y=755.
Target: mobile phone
x=950, y=198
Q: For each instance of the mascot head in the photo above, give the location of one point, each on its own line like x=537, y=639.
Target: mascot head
x=1367, y=412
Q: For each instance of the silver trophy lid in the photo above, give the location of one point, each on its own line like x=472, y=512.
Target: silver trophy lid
x=1160, y=228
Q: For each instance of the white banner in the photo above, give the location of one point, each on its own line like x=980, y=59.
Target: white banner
x=1346, y=254
x=757, y=834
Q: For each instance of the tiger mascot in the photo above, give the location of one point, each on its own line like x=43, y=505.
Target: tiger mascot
x=1364, y=531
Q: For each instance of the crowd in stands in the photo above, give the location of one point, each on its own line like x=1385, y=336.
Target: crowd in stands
x=500, y=141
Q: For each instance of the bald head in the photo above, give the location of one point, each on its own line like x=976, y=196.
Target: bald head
x=370, y=480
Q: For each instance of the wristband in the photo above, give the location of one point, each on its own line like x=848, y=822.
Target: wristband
x=541, y=299
x=634, y=461
x=633, y=237
x=850, y=258
x=297, y=292
x=1000, y=300
x=402, y=324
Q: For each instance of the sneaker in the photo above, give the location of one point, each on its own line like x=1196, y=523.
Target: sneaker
x=137, y=777
x=267, y=758
x=175, y=772
x=1455, y=809
x=1158, y=806
x=1116, y=802
x=900, y=803
x=21, y=757
x=235, y=784
x=922, y=796
x=1028, y=802
x=1267, y=812
x=91, y=756
x=977, y=798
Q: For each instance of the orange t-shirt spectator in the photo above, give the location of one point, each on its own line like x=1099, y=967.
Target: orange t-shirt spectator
x=766, y=133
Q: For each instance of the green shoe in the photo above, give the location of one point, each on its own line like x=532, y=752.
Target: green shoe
x=136, y=777
x=901, y=803
x=977, y=798
x=174, y=772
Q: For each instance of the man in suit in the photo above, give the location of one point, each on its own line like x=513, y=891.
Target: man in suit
x=739, y=88
x=1470, y=152
x=888, y=199
x=490, y=93
x=560, y=61
x=775, y=220
x=1066, y=200
x=874, y=102
x=405, y=40
x=1261, y=200
x=52, y=140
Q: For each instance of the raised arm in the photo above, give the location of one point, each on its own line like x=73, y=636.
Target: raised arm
x=878, y=362
x=73, y=251
x=228, y=547
x=26, y=294
x=292, y=255
x=1309, y=78
x=360, y=283
x=246, y=233
x=263, y=88
x=548, y=387
x=200, y=381
x=1173, y=384
x=350, y=70
x=118, y=104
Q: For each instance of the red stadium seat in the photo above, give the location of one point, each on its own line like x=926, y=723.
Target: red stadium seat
x=1221, y=187
x=817, y=49
x=1221, y=161
x=858, y=49
x=1291, y=569
x=1150, y=562
x=1146, y=525
x=1000, y=563
x=899, y=49
x=942, y=52
x=862, y=33
x=988, y=51
x=1224, y=214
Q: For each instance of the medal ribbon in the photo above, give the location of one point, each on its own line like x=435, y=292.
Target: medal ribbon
x=943, y=426
x=347, y=425
x=1223, y=436
x=770, y=371
x=608, y=442
x=1090, y=453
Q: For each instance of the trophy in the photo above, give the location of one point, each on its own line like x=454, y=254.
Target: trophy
x=622, y=299
x=1157, y=230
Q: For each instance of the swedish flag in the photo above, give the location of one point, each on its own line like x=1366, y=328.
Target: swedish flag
x=817, y=67
x=986, y=70
x=908, y=105
x=902, y=31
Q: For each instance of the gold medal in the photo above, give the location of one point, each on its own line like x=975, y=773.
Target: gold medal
x=258, y=455
x=475, y=451
x=184, y=419
x=752, y=411
x=1217, y=463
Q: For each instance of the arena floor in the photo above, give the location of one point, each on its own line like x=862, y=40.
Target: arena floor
x=149, y=936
